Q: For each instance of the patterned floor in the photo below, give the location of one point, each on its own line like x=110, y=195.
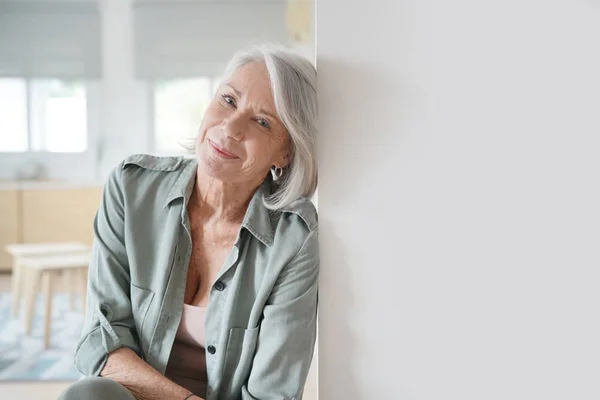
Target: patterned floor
x=22, y=358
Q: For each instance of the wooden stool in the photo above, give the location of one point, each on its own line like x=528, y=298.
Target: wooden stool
x=35, y=249
x=45, y=268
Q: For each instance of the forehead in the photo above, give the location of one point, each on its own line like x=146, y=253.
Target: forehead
x=253, y=83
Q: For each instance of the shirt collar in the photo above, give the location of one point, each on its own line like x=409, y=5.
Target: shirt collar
x=257, y=219
x=182, y=188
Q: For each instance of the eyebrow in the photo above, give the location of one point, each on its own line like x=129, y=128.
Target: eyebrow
x=237, y=92
x=262, y=111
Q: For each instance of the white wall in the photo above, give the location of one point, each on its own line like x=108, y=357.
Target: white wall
x=458, y=199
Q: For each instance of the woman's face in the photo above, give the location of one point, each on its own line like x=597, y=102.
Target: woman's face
x=241, y=137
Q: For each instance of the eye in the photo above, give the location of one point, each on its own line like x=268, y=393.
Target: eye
x=264, y=123
x=228, y=99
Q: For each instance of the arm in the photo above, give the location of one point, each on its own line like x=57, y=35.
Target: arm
x=143, y=381
x=109, y=345
x=288, y=330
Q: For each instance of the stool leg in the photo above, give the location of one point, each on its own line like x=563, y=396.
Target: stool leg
x=47, y=288
x=32, y=279
x=82, y=275
x=70, y=284
x=16, y=284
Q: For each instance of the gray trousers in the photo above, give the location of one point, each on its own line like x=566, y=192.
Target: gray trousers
x=96, y=388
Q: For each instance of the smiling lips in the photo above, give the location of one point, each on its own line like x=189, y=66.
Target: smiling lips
x=220, y=150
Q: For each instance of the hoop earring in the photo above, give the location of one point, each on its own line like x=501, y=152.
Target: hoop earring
x=277, y=173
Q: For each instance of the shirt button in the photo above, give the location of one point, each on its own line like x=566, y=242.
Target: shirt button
x=211, y=349
x=220, y=286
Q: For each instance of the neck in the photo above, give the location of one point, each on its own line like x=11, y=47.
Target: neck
x=218, y=200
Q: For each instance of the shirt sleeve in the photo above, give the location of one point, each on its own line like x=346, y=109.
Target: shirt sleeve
x=288, y=330
x=108, y=319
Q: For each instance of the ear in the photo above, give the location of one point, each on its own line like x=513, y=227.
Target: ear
x=282, y=158
x=282, y=161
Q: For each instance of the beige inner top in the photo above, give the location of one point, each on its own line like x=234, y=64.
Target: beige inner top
x=187, y=362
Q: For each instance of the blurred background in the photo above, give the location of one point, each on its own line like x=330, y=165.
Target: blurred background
x=83, y=84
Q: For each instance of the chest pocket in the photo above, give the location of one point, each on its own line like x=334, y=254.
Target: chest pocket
x=140, y=304
x=239, y=354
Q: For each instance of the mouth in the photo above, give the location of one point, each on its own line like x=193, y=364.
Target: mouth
x=220, y=150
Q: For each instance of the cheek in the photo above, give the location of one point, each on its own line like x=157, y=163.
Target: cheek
x=263, y=149
x=213, y=116
x=280, y=144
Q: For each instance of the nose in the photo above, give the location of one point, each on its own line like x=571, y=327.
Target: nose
x=233, y=126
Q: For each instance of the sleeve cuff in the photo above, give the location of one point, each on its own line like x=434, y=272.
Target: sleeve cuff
x=92, y=353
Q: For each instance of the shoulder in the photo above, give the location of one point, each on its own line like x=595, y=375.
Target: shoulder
x=154, y=163
x=146, y=166
x=138, y=173
x=303, y=211
x=296, y=227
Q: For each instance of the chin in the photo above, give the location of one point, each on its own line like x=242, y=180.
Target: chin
x=212, y=167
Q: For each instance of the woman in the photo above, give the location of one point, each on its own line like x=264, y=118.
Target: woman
x=203, y=281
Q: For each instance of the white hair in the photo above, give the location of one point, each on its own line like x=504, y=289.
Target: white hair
x=294, y=85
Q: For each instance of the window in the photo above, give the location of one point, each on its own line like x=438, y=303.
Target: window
x=59, y=116
x=13, y=116
x=179, y=107
x=43, y=115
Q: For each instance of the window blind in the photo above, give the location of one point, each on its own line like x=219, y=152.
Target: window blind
x=50, y=39
x=190, y=39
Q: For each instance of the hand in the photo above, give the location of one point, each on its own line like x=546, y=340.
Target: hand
x=194, y=397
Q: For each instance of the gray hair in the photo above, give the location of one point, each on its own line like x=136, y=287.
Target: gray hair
x=294, y=86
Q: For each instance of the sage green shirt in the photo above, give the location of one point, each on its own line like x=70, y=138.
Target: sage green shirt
x=261, y=316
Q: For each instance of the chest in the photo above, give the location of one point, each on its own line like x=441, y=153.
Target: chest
x=211, y=244
x=210, y=247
